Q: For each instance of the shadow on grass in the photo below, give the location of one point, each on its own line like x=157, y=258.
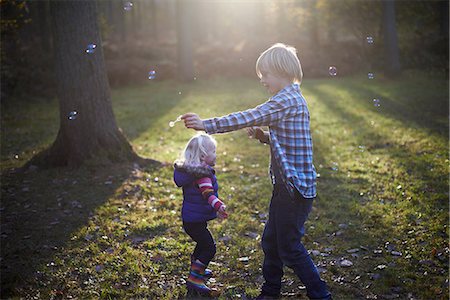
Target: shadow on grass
x=138, y=109
x=410, y=107
x=41, y=210
x=337, y=205
x=413, y=163
x=339, y=199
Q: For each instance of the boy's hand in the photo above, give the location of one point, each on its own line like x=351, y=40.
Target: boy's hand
x=222, y=213
x=251, y=132
x=192, y=120
x=257, y=133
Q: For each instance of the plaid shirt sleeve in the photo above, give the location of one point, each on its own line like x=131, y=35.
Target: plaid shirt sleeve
x=266, y=114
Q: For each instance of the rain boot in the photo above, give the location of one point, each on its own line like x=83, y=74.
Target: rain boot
x=196, y=279
x=208, y=273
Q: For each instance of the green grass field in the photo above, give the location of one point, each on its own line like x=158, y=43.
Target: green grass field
x=115, y=232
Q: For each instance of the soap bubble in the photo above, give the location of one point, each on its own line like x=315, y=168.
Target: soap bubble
x=128, y=6
x=332, y=71
x=72, y=115
x=152, y=74
x=376, y=102
x=370, y=75
x=91, y=48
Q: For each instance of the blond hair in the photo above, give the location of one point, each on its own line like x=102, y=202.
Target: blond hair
x=281, y=60
x=195, y=149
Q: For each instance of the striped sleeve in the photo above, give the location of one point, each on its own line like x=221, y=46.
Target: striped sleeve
x=207, y=190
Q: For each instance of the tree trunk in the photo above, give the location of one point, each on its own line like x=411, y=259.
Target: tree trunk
x=184, y=41
x=44, y=26
x=443, y=8
x=392, y=60
x=120, y=28
x=313, y=25
x=135, y=19
x=153, y=21
x=82, y=87
x=282, y=22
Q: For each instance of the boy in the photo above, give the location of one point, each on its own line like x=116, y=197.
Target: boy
x=292, y=171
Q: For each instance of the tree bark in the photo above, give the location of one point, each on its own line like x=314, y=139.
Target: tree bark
x=44, y=26
x=313, y=24
x=443, y=9
x=184, y=40
x=153, y=20
x=392, y=60
x=120, y=27
x=82, y=86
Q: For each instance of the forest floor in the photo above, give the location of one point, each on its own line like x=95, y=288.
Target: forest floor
x=378, y=230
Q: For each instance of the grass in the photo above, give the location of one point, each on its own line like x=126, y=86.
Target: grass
x=116, y=232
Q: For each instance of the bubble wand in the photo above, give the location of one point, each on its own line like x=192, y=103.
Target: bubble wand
x=172, y=123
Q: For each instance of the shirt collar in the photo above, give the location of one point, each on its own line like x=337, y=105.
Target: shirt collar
x=289, y=88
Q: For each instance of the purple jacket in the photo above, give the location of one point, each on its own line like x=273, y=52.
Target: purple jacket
x=195, y=207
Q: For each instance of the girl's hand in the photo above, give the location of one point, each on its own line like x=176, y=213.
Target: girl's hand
x=192, y=120
x=221, y=213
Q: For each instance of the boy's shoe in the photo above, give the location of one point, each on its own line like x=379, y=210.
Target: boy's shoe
x=326, y=298
x=196, y=280
x=208, y=273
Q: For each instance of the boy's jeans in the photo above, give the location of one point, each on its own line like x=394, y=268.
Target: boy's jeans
x=282, y=245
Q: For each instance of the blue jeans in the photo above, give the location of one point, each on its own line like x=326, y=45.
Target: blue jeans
x=281, y=243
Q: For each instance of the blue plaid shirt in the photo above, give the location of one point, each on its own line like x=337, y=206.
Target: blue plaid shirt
x=287, y=116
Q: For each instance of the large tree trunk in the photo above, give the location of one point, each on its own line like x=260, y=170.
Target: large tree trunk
x=82, y=86
x=314, y=25
x=184, y=40
x=44, y=26
x=153, y=21
x=120, y=26
x=392, y=60
x=443, y=8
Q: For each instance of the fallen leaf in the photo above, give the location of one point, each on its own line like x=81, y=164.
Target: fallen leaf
x=345, y=263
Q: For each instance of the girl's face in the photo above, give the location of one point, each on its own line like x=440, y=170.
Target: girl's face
x=210, y=157
x=272, y=82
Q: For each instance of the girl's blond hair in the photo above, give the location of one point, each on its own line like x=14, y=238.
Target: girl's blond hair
x=280, y=60
x=195, y=149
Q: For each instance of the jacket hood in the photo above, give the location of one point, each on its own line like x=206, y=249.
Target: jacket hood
x=186, y=174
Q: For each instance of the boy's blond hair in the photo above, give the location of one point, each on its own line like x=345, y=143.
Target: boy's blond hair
x=280, y=60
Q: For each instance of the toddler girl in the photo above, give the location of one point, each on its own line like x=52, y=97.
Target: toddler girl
x=195, y=174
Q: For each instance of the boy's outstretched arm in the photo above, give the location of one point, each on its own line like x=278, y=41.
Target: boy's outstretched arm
x=192, y=120
x=265, y=114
